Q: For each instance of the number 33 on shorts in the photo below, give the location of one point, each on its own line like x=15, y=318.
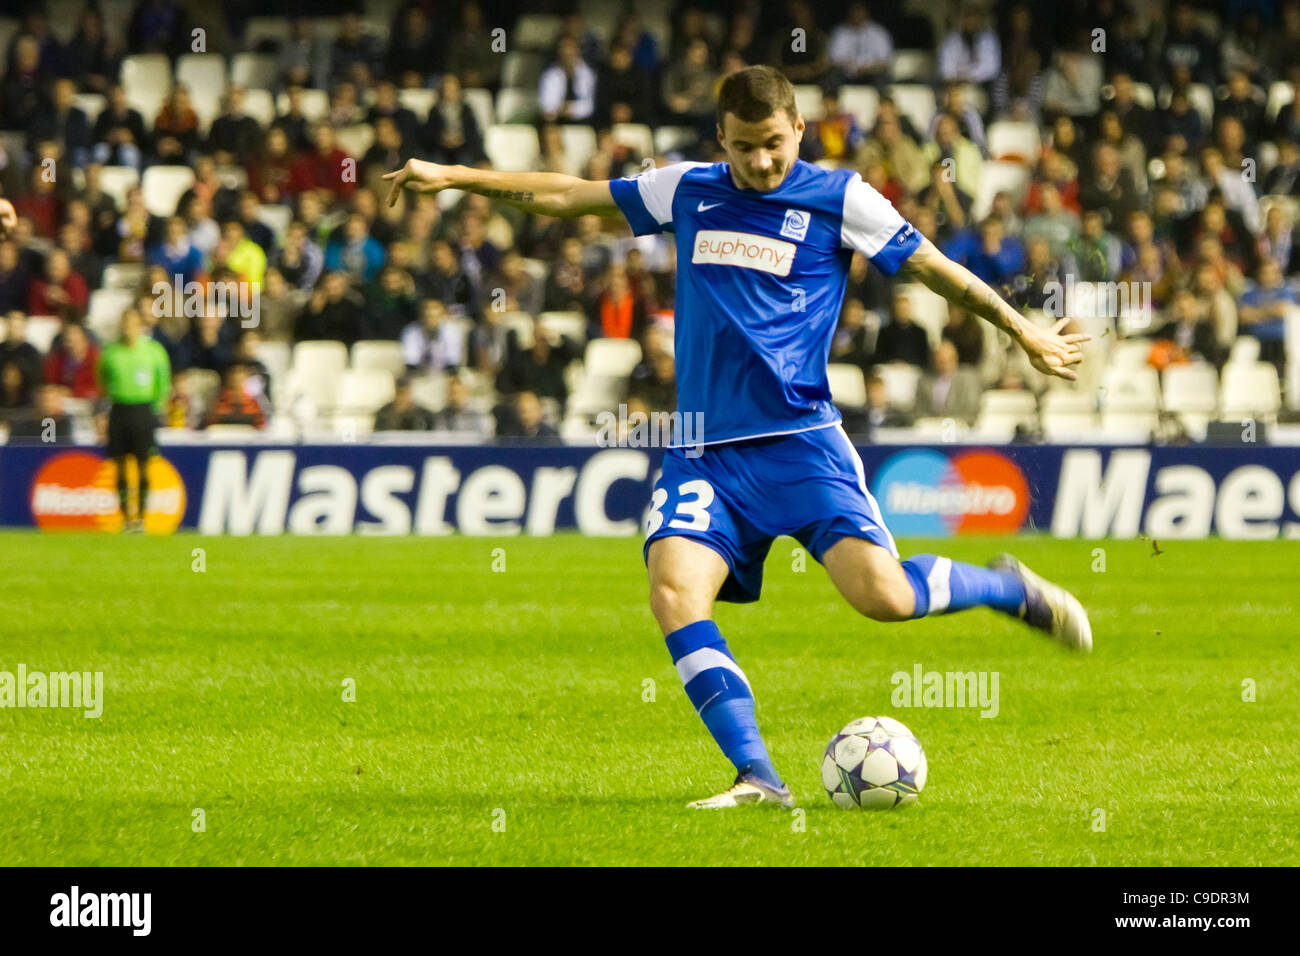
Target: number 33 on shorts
x=691, y=511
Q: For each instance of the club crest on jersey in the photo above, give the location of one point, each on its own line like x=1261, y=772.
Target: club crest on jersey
x=795, y=225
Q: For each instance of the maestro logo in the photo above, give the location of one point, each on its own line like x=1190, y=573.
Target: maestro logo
x=927, y=494
x=77, y=491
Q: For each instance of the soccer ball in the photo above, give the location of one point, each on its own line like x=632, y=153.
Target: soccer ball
x=874, y=763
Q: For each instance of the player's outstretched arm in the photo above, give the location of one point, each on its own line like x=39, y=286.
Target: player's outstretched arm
x=1049, y=352
x=551, y=194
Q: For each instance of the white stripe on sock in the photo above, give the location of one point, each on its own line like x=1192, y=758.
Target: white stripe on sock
x=707, y=658
x=937, y=579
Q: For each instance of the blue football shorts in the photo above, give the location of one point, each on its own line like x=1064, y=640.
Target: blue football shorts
x=737, y=497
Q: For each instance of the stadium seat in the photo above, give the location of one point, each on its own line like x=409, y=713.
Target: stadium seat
x=147, y=81
x=913, y=65
x=430, y=390
x=480, y=102
x=999, y=176
x=571, y=324
x=204, y=384
x=635, y=135
x=578, y=428
x=41, y=330
x=611, y=356
x=941, y=429
x=1250, y=390
x=92, y=104
x=318, y=364
x=259, y=105
x=233, y=432
x=900, y=384
x=276, y=357
x=1245, y=350
x=929, y=310
x=104, y=311
x=117, y=181
x=1201, y=98
x=253, y=71
x=512, y=146
x=848, y=385
x=123, y=275
x=275, y=217
x=1144, y=95
x=670, y=139
x=808, y=100
x=1280, y=94
x=1068, y=401
x=522, y=69
x=275, y=30
x=1014, y=141
x=315, y=104
x=916, y=102
x=1191, y=392
x=1130, y=353
x=364, y=391
x=517, y=106
x=537, y=268
x=1130, y=388
x=379, y=354
x=598, y=392
x=204, y=76
x=579, y=146
x=1018, y=403
x=418, y=101
x=537, y=31
x=1066, y=426
x=163, y=187
x=862, y=102
x=521, y=323
x=355, y=140
x=233, y=177
x=1129, y=424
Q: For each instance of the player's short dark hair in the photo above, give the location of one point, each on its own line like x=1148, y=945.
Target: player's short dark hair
x=755, y=93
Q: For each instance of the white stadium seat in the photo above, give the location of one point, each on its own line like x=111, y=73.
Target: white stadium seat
x=521, y=323
x=41, y=330
x=204, y=76
x=1015, y=141
x=579, y=147
x=808, y=100
x=1280, y=94
x=123, y=275
x=913, y=65
x=92, y=104
x=1250, y=390
x=1130, y=353
x=516, y=106
x=1130, y=389
x=259, y=105
x=916, y=102
x=117, y=181
x=315, y=104
x=480, y=103
x=615, y=357
x=537, y=31
x=1245, y=350
x=929, y=310
x=571, y=324
x=512, y=146
x=635, y=135
x=672, y=138
x=316, y=369
x=355, y=140
x=900, y=384
x=163, y=187
x=430, y=390
x=862, y=102
x=848, y=385
x=364, y=391
x=147, y=81
x=253, y=71
x=995, y=177
x=104, y=311
x=275, y=217
x=522, y=69
x=379, y=354
x=418, y=101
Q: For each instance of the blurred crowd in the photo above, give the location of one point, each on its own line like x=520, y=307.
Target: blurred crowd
x=1128, y=179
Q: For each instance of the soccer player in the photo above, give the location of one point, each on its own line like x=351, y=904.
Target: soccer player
x=136, y=375
x=764, y=242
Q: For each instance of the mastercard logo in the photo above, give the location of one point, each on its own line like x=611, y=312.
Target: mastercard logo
x=77, y=491
x=928, y=494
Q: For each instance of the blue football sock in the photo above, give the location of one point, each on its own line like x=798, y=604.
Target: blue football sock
x=942, y=585
x=720, y=693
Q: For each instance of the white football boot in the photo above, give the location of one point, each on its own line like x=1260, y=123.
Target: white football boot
x=747, y=789
x=1049, y=607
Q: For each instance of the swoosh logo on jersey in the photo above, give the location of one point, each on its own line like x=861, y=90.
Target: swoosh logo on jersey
x=704, y=208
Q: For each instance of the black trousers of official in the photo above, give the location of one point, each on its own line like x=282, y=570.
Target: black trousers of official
x=130, y=432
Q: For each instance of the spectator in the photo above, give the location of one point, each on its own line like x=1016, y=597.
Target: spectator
x=297, y=128
x=688, y=89
x=357, y=54
x=879, y=412
x=451, y=133
x=239, y=254
x=387, y=106
x=448, y=283
x=433, y=343
x=333, y=312
x=1187, y=47
x=65, y=123
x=234, y=406
x=1264, y=308
x=470, y=53
x=71, y=363
x=959, y=154
x=1189, y=330
x=971, y=53
x=861, y=51
x=1096, y=252
x=15, y=349
x=901, y=339
x=950, y=390
x=658, y=389
x=234, y=137
x=522, y=291
x=323, y=168
x=403, y=414
x=623, y=90
x=210, y=343
x=855, y=339
x=617, y=313
x=1110, y=187
x=526, y=420
x=176, y=253
x=356, y=252
x=415, y=51
x=836, y=135
x=119, y=134
x=61, y=292
x=21, y=92
x=966, y=333
x=458, y=416
x=539, y=369
x=35, y=426
x=93, y=56
x=1053, y=223
x=567, y=90
x=1073, y=83
x=176, y=129
x=809, y=61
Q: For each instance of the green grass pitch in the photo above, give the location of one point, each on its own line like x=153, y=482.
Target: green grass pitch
x=500, y=716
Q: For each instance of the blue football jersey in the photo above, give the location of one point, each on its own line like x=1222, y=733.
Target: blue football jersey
x=760, y=280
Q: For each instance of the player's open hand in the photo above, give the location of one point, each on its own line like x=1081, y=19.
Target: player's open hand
x=421, y=176
x=8, y=217
x=1052, y=353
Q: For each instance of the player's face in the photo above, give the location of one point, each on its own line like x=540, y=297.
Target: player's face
x=762, y=153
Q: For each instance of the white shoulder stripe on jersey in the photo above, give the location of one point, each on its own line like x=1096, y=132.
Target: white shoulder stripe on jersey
x=868, y=221
x=658, y=186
